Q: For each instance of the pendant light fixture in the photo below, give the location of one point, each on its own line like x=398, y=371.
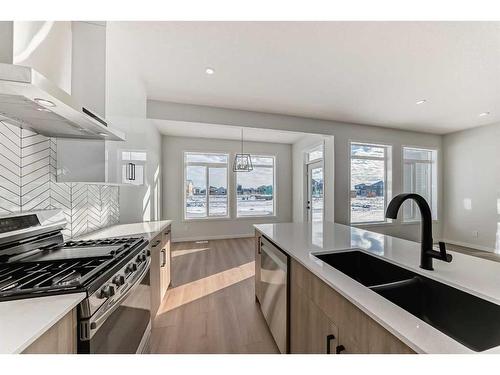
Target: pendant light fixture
x=242, y=161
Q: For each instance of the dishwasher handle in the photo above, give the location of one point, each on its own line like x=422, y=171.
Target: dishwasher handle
x=280, y=258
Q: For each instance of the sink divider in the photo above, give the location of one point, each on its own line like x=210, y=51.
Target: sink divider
x=396, y=284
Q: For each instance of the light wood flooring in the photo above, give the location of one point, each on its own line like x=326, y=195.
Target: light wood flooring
x=210, y=306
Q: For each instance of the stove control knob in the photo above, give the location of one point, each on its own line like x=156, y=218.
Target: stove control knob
x=107, y=291
x=148, y=252
x=132, y=267
x=141, y=257
x=118, y=280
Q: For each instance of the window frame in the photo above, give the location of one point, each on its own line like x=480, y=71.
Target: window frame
x=434, y=170
x=123, y=162
x=275, y=190
x=207, y=166
x=387, y=178
x=305, y=172
x=312, y=148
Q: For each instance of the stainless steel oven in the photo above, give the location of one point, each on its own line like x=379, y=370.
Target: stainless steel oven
x=122, y=325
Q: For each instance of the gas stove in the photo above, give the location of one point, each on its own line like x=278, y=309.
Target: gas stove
x=113, y=273
x=73, y=266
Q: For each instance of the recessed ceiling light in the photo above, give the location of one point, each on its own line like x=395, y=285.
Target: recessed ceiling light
x=421, y=101
x=103, y=134
x=44, y=102
x=41, y=109
x=484, y=114
x=209, y=71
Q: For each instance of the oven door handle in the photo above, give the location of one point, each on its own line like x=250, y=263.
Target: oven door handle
x=96, y=322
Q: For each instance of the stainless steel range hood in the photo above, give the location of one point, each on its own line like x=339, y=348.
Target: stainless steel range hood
x=29, y=100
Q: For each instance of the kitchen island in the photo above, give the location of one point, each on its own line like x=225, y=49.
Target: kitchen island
x=300, y=241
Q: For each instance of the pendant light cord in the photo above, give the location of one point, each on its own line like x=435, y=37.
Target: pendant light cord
x=242, y=140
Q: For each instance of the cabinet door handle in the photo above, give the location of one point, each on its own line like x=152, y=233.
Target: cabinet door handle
x=339, y=349
x=156, y=243
x=164, y=258
x=259, y=251
x=329, y=339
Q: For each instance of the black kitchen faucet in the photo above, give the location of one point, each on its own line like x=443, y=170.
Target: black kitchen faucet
x=427, y=253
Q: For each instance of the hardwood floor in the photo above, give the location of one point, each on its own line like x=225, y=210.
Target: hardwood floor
x=210, y=307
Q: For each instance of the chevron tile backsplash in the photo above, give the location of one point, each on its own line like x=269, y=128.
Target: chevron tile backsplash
x=28, y=182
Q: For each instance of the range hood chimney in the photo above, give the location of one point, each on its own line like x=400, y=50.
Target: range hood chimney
x=29, y=100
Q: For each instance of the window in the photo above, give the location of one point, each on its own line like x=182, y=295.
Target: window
x=315, y=184
x=133, y=167
x=419, y=176
x=255, y=190
x=315, y=154
x=369, y=182
x=206, y=193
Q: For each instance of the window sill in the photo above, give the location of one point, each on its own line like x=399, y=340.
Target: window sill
x=256, y=217
x=212, y=218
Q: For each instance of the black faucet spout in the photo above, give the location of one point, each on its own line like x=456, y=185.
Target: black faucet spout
x=427, y=253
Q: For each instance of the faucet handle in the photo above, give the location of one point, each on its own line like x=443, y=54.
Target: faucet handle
x=442, y=251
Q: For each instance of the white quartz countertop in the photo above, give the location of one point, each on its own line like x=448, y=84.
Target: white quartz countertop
x=23, y=321
x=476, y=276
x=148, y=229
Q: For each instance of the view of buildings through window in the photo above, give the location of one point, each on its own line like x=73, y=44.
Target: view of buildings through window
x=368, y=182
x=206, y=185
x=255, y=190
x=420, y=176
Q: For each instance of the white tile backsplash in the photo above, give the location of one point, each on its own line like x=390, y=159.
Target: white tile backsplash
x=28, y=182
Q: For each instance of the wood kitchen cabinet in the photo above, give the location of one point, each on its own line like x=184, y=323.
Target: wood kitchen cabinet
x=257, y=266
x=318, y=312
x=160, y=268
x=58, y=339
x=311, y=331
x=165, y=261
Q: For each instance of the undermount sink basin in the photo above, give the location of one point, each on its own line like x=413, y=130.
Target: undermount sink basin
x=470, y=320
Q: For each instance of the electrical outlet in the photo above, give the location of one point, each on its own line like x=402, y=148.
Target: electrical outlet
x=475, y=233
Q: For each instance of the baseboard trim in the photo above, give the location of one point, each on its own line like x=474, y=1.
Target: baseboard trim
x=472, y=246
x=220, y=237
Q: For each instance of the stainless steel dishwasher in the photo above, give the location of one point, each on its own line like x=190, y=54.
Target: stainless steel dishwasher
x=274, y=287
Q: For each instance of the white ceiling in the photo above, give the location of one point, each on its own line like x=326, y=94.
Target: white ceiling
x=360, y=72
x=203, y=130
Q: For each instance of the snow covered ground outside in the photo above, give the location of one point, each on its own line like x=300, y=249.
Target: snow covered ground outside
x=362, y=209
x=196, y=206
x=367, y=209
x=317, y=208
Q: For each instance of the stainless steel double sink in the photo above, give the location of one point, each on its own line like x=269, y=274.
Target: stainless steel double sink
x=470, y=320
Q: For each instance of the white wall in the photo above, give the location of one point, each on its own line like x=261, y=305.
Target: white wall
x=472, y=187
x=173, y=148
x=126, y=109
x=343, y=133
x=46, y=47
